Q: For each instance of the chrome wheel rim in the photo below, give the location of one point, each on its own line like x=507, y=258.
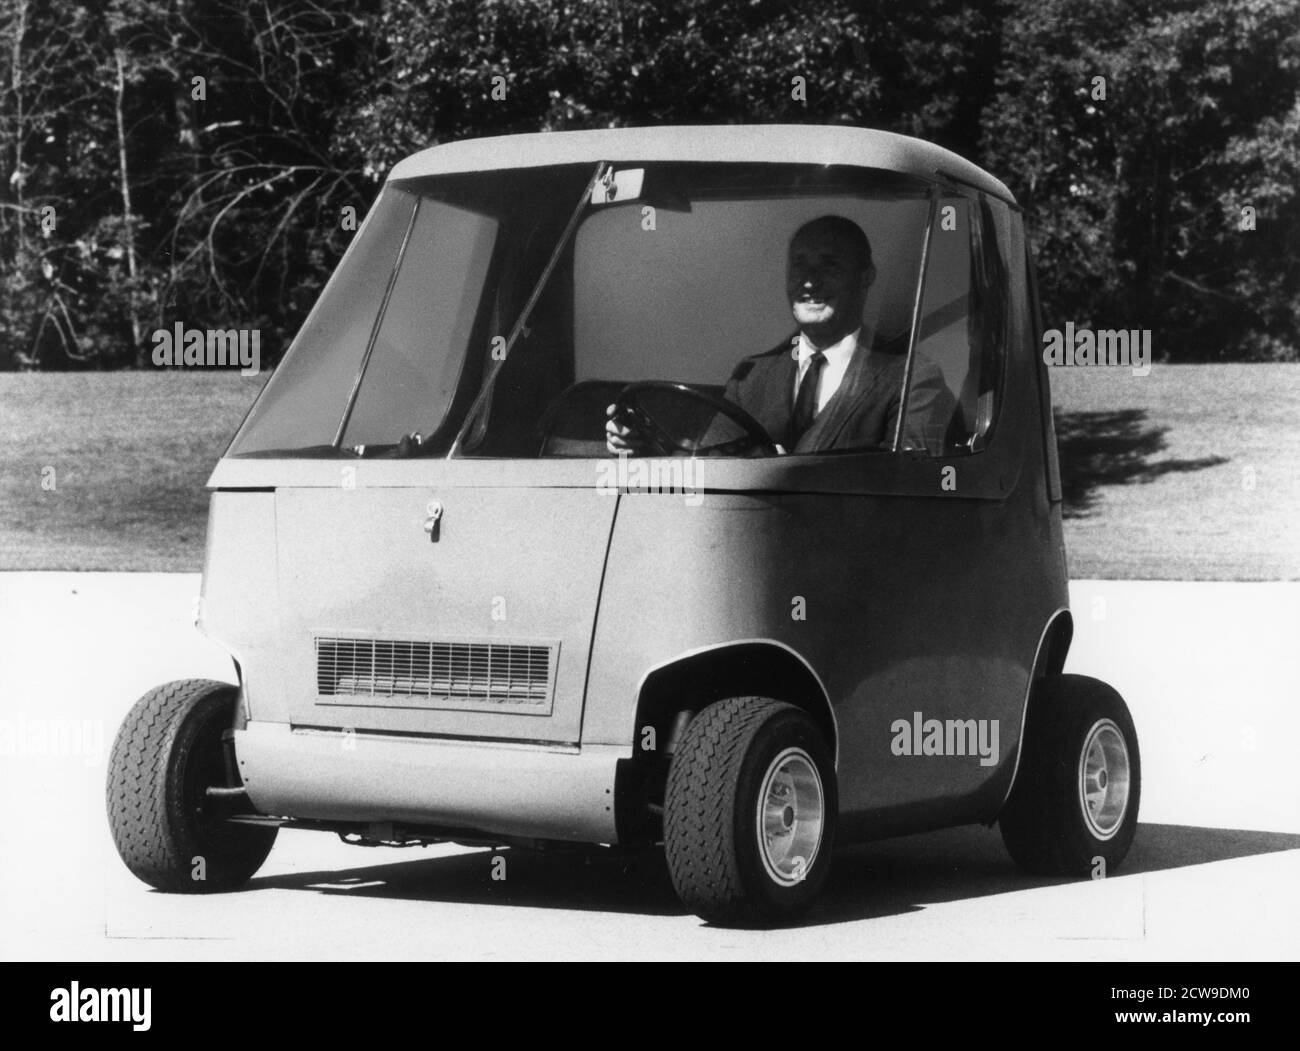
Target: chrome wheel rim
x=1104, y=779
x=791, y=814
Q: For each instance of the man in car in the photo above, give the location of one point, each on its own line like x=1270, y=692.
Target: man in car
x=829, y=387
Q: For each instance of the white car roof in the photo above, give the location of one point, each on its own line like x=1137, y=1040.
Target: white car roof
x=771, y=143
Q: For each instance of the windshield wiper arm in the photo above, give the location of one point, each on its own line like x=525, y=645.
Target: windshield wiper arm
x=495, y=362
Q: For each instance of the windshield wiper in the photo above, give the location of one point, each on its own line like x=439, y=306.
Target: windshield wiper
x=521, y=323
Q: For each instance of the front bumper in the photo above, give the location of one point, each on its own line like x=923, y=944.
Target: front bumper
x=508, y=789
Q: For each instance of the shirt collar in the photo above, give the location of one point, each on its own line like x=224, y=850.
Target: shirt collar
x=836, y=354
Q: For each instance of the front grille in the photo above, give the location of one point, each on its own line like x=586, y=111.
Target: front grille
x=457, y=674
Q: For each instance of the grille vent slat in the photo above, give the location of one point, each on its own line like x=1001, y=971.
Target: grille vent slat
x=450, y=673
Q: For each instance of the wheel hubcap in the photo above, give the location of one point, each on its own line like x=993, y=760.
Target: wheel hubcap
x=1104, y=779
x=791, y=810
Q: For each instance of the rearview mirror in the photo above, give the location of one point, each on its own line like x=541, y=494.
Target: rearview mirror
x=618, y=186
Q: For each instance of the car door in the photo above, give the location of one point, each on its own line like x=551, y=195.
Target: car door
x=440, y=605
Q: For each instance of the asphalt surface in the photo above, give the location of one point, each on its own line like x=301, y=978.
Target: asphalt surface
x=1210, y=672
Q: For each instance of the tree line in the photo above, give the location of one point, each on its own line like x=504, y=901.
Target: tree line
x=197, y=159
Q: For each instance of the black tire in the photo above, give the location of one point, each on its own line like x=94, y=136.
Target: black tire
x=1048, y=824
x=716, y=785
x=167, y=752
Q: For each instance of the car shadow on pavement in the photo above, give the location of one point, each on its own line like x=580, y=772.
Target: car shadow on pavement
x=1112, y=448
x=888, y=878
x=904, y=875
x=591, y=880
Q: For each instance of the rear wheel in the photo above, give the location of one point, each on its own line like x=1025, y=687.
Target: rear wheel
x=749, y=812
x=1073, y=809
x=166, y=755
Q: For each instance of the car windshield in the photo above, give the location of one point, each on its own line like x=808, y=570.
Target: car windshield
x=497, y=314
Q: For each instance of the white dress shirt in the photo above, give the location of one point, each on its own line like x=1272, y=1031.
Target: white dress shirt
x=838, y=356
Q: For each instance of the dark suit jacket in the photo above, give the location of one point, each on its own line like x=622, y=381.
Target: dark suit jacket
x=862, y=414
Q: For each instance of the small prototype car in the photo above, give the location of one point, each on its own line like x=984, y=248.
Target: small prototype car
x=454, y=615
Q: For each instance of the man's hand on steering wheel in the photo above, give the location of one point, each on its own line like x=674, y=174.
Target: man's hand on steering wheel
x=632, y=430
x=623, y=438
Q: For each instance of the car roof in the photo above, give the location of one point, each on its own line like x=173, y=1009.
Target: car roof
x=771, y=143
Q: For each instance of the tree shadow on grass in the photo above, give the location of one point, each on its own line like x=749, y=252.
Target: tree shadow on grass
x=1112, y=448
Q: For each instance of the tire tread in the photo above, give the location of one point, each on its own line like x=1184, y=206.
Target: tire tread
x=140, y=809
x=700, y=816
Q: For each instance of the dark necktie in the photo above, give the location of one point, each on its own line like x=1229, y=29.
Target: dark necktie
x=805, y=401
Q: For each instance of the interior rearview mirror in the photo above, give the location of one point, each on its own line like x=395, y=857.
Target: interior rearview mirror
x=618, y=186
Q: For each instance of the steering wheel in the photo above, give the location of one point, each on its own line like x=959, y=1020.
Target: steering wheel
x=628, y=405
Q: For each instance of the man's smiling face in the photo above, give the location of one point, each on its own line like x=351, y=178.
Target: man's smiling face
x=826, y=281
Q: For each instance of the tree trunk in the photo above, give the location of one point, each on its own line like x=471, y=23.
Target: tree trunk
x=10, y=348
x=128, y=229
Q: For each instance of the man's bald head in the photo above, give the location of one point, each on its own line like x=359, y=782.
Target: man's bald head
x=828, y=273
x=840, y=229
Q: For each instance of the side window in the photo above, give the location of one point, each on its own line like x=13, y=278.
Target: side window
x=424, y=335
x=961, y=334
x=305, y=397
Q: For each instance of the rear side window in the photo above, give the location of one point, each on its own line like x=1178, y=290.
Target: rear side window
x=958, y=363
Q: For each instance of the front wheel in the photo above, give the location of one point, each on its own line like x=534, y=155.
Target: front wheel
x=167, y=754
x=749, y=812
x=1073, y=809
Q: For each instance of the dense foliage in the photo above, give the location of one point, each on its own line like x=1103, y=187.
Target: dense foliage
x=195, y=160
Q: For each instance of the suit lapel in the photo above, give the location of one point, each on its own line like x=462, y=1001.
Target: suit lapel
x=778, y=393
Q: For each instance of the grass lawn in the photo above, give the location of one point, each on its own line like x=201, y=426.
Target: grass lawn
x=130, y=453
x=1189, y=473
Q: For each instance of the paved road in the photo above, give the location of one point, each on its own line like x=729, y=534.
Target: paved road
x=1210, y=672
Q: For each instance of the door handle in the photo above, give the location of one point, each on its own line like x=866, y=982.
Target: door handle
x=431, y=523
